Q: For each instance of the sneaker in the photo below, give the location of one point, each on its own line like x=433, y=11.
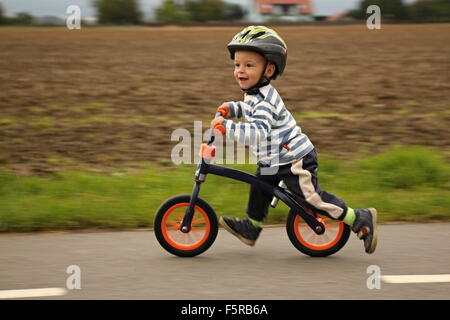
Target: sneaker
x=365, y=226
x=246, y=231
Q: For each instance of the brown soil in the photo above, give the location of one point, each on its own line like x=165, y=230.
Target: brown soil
x=104, y=98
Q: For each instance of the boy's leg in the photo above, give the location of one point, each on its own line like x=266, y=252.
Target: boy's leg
x=248, y=229
x=301, y=179
x=259, y=201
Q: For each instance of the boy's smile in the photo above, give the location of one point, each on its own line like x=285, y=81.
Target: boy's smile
x=249, y=67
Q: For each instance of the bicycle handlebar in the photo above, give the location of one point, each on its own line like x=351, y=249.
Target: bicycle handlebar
x=220, y=128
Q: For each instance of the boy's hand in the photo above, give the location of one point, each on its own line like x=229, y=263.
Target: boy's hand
x=216, y=121
x=224, y=109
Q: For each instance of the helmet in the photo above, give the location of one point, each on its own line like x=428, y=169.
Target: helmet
x=264, y=41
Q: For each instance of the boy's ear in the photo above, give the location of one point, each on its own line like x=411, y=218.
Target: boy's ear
x=270, y=70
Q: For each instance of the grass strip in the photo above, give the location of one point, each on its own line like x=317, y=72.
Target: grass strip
x=404, y=184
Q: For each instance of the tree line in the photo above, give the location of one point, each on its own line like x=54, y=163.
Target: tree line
x=420, y=11
x=198, y=11
x=172, y=11
x=21, y=18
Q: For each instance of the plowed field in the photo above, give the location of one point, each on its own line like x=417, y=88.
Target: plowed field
x=103, y=98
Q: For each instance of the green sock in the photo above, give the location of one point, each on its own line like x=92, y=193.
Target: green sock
x=350, y=217
x=256, y=223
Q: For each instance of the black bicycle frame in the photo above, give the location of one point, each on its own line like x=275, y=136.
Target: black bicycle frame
x=204, y=168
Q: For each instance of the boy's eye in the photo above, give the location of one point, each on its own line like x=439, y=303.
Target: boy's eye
x=248, y=65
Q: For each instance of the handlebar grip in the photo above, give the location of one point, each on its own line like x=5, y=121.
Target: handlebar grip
x=220, y=128
x=223, y=112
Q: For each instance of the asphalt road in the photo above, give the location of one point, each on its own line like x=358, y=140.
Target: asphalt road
x=132, y=265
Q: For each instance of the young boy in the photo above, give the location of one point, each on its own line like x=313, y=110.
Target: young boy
x=259, y=55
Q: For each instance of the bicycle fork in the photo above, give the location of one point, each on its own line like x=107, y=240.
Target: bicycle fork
x=186, y=224
x=200, y=177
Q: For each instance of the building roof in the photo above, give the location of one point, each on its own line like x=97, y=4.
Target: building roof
x=339, y=17
x=265, y=6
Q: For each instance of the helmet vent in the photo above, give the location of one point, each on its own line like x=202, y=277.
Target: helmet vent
x=257, y=35
x=245, y=34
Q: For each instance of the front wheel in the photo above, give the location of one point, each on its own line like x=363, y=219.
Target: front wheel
x=168, y=221
x=308, y=242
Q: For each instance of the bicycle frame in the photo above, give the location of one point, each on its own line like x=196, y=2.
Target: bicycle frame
x=204, y=168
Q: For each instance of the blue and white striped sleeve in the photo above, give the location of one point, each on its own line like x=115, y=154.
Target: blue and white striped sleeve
x=235, y=109
x=257, y=128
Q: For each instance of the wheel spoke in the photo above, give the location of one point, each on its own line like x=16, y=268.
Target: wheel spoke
x=189, y=236
x=312, y=237
x=305, y=229
x=178, y=216
x=319, y=239
x=198, y=221
x=176, y=236
x=198, y=234
x=197, y=228
x=326, y=238
x=332, y=233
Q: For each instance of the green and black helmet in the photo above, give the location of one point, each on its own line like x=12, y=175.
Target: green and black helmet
x=264, y=41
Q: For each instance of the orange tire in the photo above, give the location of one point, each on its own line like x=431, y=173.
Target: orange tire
x=308, y=242
x=167, y=224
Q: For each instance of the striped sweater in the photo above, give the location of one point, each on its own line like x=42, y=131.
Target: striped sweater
x=269, y=128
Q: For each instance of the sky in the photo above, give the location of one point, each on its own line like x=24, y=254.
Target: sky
x=58, y=7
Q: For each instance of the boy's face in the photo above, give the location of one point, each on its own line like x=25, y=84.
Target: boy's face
x=249, y=67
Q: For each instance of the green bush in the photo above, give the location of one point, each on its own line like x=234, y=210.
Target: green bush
x=213, y=10
x=405, y=168
x=118, y=11
x=430, y=11
x=169, y=12
x=21, y=19
x=233, y=12
x=2, y=17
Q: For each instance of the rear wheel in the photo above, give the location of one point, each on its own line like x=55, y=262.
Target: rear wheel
x=308, y=242
x=168, y=221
